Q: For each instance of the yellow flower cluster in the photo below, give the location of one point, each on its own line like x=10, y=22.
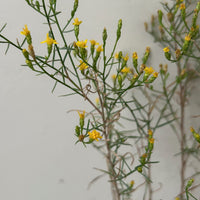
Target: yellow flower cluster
x=94, y=135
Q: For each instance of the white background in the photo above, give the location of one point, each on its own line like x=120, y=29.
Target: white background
x=38, y=157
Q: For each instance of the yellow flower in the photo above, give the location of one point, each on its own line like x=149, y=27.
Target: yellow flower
x=82, y=115
x=49, y=40
x=166, y=49
x=126, y=57
x=81, y=44
x=114, y=76
x=99, y=48
x=93, y=42
x=187, y=38
x=148, y=49
x=149, y=70
x=25, y=31
x=192, y=129
x=83, y=65
x=150, y=132
x=94, y=135
x=135, y=56
x=132, y=183
x=177, y=198
x=182, y=6
x=116, y=55
x=76, y=22
x=151, y=140
x=97, y=101
x=126, y=70
x=155, y=74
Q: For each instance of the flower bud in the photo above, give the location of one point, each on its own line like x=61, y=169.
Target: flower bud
x=119, y=29
x=29, y=63
x=105, y=35
x=75, y=8
x=160, y=15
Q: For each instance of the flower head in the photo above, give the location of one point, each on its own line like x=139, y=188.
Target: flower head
x=166, y=49
x=149, y=70
x=25, y=31
x=125, y=58
x=83, y=65
x=94, y=135
x=114, y=76
x=81, y=44
x=82, y=115
x=93, y=42
x=150, y=132
x=126, y=70
x=99, y=48
x=135, y=56
x=151, y=140
x=49, y=40
x=77, y=22
x=187, y=38
x=155, y=74
x=182, y=6
x=148, y=49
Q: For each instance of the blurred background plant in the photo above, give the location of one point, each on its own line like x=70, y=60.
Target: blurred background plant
x=176, y=29
x=124, y=90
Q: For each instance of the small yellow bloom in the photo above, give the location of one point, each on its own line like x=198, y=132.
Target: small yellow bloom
x=82, y=115
x=192, y=129
x=150, y=132
x=135, y=56
x=187, y=38
x=76, y=22
x=116, y=55
x=99, y=48
x=155, y=74
x=149, y=70
x=132, y=183
x=97, y=101
x=135, y=76
x=151, y=140
x=93, y=42
x=148, y=49
x=166, y=49
x=83, y=65
x=114, y=76
x=182, y=6
x=49, y=40
x=25, y=31
x=94, y=135
x=126, y=57
x=81, y=44
x=144, y=155
x=126, y=70
x=177, y=198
